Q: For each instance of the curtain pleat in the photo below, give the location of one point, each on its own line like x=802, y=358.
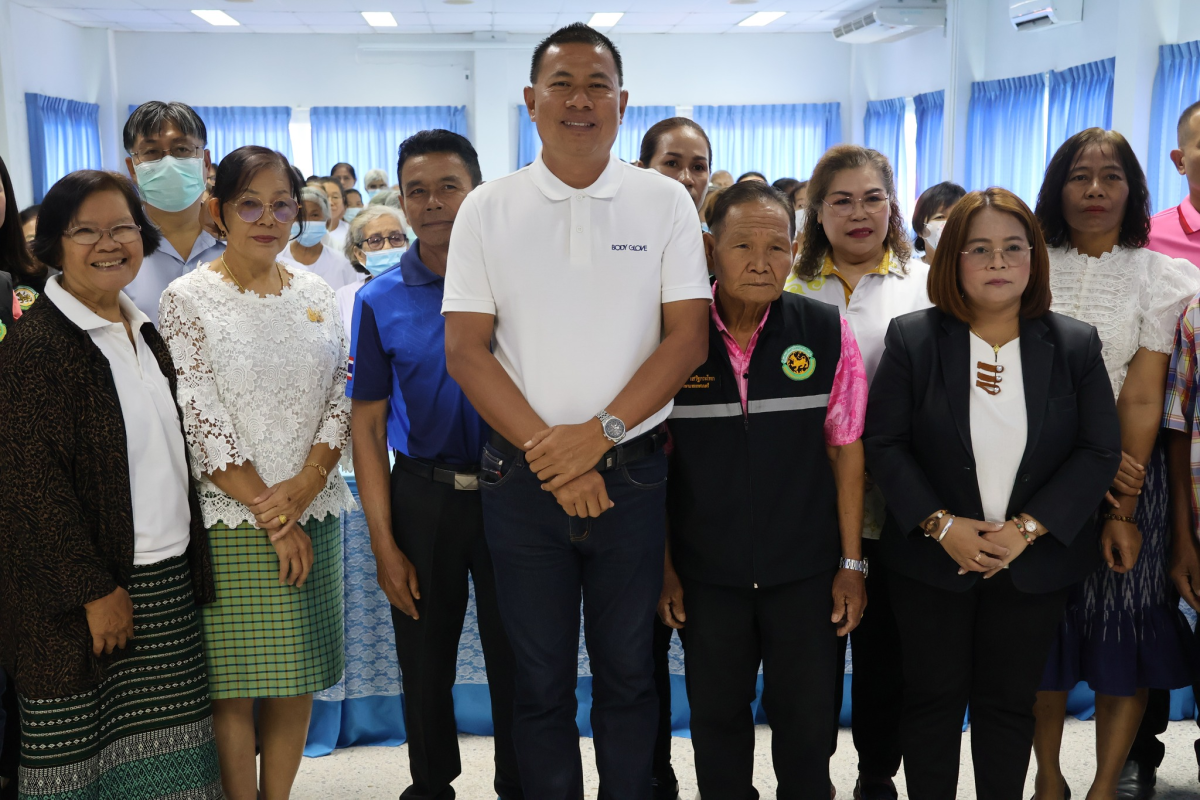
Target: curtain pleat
x=930, y=109
x=369, y=137
x=780, y=141
x=1176, y=86
x=64, y=136
x=1006, y=135
x=1080, y=97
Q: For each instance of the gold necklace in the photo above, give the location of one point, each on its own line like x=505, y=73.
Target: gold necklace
x=241, y=288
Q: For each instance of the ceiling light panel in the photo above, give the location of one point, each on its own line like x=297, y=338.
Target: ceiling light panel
x=379, y=19
x=605, y=19
x=216, y=17
x=761, y=18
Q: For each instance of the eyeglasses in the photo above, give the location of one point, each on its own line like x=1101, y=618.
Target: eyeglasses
x=250, y=209
x=373, y=243
x=121, y=234
x=844, y=206
x=1012, y=255
x=152, y=154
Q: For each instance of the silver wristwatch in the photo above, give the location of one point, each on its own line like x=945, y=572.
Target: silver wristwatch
x=614, y=429
x=857, y=566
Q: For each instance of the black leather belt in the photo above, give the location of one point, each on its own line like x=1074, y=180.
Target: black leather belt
x=624, y=453
x=464, y=479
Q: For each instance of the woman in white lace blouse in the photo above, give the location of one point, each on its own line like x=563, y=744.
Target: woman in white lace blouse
x=261, y=357
x=1123, y=632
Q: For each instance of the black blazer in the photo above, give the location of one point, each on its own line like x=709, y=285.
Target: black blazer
x=918, y=446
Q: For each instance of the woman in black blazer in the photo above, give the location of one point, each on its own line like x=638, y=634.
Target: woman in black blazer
x=992, y=431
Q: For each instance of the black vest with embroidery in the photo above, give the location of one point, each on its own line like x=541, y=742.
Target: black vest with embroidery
x=751, y=497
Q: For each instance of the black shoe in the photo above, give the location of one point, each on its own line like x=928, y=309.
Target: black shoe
x=665, y=790
x=1136, y=782
x=1066, y=792
x=875, y=789
x=1196, y=747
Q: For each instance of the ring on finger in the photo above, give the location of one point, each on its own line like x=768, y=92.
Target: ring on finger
x=283, y=519
x=979, y=557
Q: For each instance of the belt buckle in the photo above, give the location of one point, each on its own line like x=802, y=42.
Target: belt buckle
x=466, y=482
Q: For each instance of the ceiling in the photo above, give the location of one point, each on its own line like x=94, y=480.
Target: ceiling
x=448, y=16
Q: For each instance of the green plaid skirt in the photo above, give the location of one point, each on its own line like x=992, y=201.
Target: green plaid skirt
x=263, y=639
x=146, y=731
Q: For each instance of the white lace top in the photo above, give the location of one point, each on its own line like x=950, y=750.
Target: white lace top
x=1133, y=297
x=261, y=379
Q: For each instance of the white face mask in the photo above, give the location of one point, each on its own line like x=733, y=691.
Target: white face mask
x=933, y=233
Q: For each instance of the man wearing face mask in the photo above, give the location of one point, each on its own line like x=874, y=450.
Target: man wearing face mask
x=425, y=517
x=168, y=162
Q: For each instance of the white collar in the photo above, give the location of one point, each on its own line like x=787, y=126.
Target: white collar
x=83, y=317
x=604, y=187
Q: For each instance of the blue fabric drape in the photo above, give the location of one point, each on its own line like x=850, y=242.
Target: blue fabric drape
x=64, y=136
x=369, y=137
x=1080, y=97
x=930, y=109
x=781, y=141
x=1006, y=135
x=636, y=122
x=231, y=127
x=1176, y=86
x=883, y=130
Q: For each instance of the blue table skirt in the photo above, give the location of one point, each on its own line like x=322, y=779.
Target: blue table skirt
x=367, y=706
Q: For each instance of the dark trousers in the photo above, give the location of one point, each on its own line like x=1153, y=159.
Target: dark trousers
x=787, y=629
x=545, y=561
x=440, y=530
x=986, y=647
x=662, y=771
x=1147, y=749
x=877, y=689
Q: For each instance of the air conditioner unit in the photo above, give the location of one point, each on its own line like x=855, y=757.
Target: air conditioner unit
x=1032, y=15
x=891, y=21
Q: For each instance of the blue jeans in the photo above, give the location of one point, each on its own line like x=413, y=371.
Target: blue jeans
x=544, y=561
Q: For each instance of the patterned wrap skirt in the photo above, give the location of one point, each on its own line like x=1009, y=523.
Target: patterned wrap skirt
x=1124, y=632
x=265, y=639
x=146, y=731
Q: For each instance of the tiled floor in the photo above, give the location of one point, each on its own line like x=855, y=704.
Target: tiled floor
x=379, y=773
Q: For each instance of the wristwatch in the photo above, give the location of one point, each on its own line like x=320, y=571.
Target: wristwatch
x=614, y=429
x=857, y=566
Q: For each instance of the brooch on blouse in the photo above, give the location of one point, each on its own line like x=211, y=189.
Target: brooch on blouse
x=315, y=316
x=988, y=377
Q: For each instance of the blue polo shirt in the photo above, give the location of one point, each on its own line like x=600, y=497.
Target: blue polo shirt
x=398, y=353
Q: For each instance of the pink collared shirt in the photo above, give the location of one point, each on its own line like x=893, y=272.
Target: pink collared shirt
x=847, y=411
x=1176, y=232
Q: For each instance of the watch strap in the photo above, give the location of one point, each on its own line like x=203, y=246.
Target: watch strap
x=856, y=565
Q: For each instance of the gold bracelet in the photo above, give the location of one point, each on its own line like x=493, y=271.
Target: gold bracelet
x=324, y=472
x=1120, y=518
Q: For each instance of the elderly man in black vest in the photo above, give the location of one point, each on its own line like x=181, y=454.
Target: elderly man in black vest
x=765, y=507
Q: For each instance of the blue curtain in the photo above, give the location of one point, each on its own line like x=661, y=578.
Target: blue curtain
x=930, y=108
x=780, y=141
x=883, y=130
x=528, y=142
x=369, y=137
x=64, y=135
x=637, y=121
x=1176, y=86
x=1080, y=97
x=231, y=127
x=1006, y=135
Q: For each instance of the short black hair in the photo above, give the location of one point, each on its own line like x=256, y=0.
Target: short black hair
x=148, y=119
x=349, y=192
x=1135, y=227
x=576, y=33
x=439, y=140
x=62, y=202
x=940, y=195
x=30, y=212
x=353, y=174
x=14, y=256
x=238, y=169
x=659, y=129
x=1185, y=121
x=786, y=185
x=750, y=192
x=751, y=174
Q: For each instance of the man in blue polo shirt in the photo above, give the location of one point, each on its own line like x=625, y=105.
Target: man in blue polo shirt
x=425, y=517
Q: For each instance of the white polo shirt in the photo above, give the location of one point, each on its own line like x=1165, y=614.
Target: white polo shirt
x=576, y=279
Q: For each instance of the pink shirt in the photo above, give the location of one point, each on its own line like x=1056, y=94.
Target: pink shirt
x=16, y=308
x=846, y=413
x=1176, y=232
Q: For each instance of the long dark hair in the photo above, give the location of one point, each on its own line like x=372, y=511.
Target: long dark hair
x=659, y=129
x=14, y=255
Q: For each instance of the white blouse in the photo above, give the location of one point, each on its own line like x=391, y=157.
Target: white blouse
x=345, y=301
x=999, y=426
x=158, y=475
x=1133, y=297
x=261, y=379
x=330, y=265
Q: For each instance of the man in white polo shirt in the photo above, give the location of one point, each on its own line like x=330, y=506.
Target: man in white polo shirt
x=590, y=275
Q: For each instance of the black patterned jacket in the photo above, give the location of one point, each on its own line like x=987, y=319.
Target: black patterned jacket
x=66, y=508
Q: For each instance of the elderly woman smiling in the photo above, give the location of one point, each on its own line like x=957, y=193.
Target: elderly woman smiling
x=764, y=499
x=105, y=556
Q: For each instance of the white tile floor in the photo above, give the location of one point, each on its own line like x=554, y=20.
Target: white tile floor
x=379, y=773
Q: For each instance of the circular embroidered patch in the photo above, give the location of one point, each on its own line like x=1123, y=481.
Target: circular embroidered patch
x=799, y=363
x=3, y=331
x=25, y=297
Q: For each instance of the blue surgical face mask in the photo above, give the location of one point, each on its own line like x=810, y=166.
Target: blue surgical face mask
x=171, y=183
x=308, y=234
x=380, y=260
x=351, y=213
x=372, y=192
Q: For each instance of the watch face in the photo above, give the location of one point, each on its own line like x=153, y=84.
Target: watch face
x=614, y=428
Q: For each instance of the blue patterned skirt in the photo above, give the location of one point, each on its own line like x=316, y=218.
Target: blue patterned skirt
x=1125, y=632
